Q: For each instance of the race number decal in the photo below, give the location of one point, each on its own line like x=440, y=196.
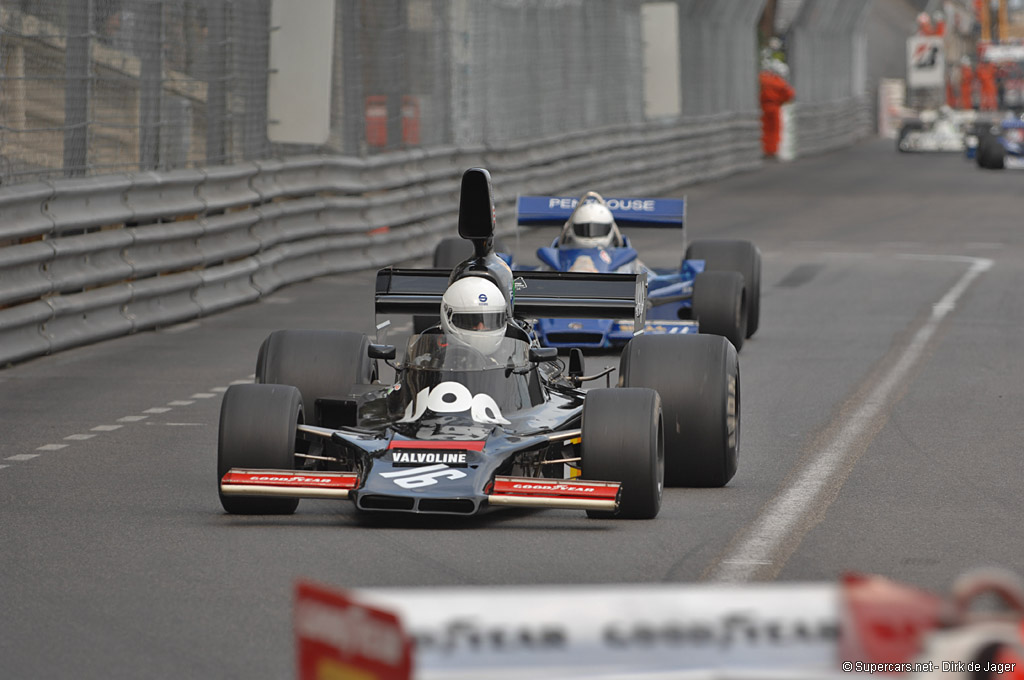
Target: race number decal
x=452, y=397
x=415, y=478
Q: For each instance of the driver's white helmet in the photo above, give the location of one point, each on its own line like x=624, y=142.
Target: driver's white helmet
x=592, y=226
x=473, y=311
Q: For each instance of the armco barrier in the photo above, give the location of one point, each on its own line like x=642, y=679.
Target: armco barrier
x=824, y=126
x=83, y=260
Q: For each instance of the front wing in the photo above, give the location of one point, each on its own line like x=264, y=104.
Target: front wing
x=426, y=476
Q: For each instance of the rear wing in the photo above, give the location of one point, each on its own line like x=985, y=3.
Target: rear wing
x=538, y=294
x=537, y=211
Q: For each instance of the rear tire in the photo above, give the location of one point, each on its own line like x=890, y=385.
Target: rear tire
x=319, y=363
x=720, y=305
x=991, y=154
x=623, y=441
x=698, y=379
x=736, y=256
x=258, y=431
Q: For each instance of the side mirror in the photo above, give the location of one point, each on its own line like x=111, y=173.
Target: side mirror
x=575, y=362
x=542, y=354
x=386, y=352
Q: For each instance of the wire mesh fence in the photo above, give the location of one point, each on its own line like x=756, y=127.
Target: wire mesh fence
x=98, y=86
x=93, y=86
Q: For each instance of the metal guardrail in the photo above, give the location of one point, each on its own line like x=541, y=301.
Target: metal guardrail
x=824, y=126
x=83, y=260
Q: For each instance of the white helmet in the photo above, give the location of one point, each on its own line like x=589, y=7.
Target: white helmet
x=473, y=311
x=592, y=226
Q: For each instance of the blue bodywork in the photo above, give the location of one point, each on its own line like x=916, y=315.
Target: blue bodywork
x=669, y=293
x=1011, y=139
x=1013, y=147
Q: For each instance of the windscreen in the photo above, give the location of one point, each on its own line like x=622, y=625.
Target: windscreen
x=444, y=377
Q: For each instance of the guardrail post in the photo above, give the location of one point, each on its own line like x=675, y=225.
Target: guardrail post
x=353, y=118
x=150, y=45
x=216, y=83
x=77, y=73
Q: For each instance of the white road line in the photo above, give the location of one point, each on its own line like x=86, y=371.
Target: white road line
x=131, y=419
x=157, y=409
x=106, y=428
x=784, y=520
x=51, y=447
x=183, y=424
x=241, y=382
x=79, y=437
x=218, y=389
x=203, y=395
x=3, y=466
x=180, y=402
x=22, y=456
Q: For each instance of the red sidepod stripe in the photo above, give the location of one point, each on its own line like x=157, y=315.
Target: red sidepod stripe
x=533, y=486
x=301, y=480
x=445, y=444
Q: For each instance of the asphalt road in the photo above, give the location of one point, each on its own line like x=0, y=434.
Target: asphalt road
x=880, y=432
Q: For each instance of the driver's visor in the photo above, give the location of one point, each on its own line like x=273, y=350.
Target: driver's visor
x=478, y=321
x=592, y=229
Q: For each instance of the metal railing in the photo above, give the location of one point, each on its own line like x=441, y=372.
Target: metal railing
x=551, y=97
x=129, y=252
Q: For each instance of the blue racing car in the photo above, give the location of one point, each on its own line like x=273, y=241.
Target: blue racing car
x=716, y=289
x=1002, y=146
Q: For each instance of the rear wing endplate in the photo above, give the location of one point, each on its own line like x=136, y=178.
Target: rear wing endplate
x=539, y=211
x=538, y=294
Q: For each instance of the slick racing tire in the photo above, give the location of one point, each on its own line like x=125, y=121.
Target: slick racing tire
x=623, y=441
x=736, y=256
x=258, y=431
x=698, y=379
x=448, y=253
x=320, y=363
x=991, y=154
x=720, y=305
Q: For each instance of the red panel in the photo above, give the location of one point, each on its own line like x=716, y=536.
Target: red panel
x=337, y=637
x=436, y=444
x=558, y=488
x=302, y=480
x=885, y=621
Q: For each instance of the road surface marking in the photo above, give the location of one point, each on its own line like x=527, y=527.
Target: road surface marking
x=777, y=531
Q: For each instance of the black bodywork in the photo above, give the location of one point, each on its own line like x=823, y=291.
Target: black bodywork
x=443, y=462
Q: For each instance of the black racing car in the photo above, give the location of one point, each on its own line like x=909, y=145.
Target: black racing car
x=457, y=431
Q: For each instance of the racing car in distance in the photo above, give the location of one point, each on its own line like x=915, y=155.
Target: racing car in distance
x=1002, y=146
x=458, y=430
x=715, y=290
x=945, y=129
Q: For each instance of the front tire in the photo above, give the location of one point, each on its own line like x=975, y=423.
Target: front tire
x=698, y=379
x=258, y=431
x=623, y=441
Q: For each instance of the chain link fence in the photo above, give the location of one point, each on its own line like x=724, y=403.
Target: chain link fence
x=99, y=86
x=95, y=86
